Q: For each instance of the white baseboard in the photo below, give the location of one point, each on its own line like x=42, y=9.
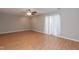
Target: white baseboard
x=60, y=36
x=39, y=31
x=68, y=38
x=14, y=31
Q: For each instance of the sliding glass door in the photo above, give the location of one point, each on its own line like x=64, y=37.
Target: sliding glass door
x=52, y=25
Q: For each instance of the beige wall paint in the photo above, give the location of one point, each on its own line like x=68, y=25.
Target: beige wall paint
x=38, y=23
x=11, y=23
x=69, y=22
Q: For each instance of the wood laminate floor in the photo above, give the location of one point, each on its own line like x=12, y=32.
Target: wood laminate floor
x=30, y=40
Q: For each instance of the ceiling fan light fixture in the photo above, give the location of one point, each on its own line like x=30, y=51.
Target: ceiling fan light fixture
x=28, y=13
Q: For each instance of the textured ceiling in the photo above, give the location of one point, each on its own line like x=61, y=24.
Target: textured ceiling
x=21, y=11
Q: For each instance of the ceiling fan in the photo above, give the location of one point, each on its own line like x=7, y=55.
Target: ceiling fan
x=30, y=13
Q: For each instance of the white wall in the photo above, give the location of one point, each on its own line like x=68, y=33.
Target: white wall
x=69, y=22
x=11, y=23
x=38, y=23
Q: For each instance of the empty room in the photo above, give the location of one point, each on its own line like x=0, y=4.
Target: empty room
x=39, y=29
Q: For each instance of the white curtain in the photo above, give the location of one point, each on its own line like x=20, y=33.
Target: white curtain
x=52, y=25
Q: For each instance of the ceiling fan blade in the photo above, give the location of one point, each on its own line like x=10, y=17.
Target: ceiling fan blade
x=34, y=12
